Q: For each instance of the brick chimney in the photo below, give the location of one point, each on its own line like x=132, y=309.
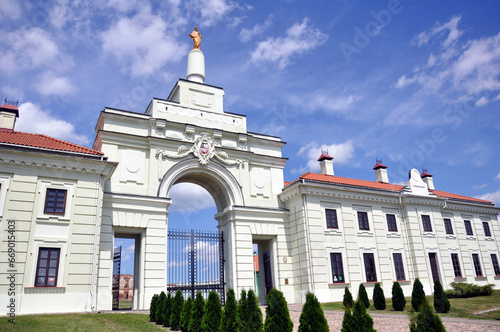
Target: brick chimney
x=381, y=172
x=427, y=178
x=8, y=114
x=325, y=161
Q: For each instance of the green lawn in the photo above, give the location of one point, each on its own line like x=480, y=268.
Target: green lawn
x=464, y=308
x=81, y=322
x=125, y=304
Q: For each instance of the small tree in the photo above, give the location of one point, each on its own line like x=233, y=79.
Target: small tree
x=277, y=315
x=242, y=311
x=213, y=313
x=197, y=311
x=175, y=316
x=312, y=318
x=378, y=297
x=398, y=297
x=229, y=322
x=167, y=311
x=362, y=321
x=417, y=295
x=347, y=298
x=363, y=296
x=160, y=307
x=441, y=303
x=152, y=308
x=186, y=315
x=348, y=321
x=254, y=314
x=426, y=321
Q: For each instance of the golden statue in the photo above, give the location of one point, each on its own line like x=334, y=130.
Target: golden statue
x=196, y=36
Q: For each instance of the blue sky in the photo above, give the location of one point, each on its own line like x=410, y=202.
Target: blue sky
x=415, y=83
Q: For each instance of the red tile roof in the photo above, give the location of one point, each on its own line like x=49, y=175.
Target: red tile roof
x=425, y=174
x=379, y=165
x=377, y=185
x=43, y=142
x=325, y=156
x=10, y=108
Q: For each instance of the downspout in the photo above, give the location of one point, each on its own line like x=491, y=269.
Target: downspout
x=403, y=210
x=304, y=204
x=94, y=250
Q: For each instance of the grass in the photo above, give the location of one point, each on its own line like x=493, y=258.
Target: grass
x=461, y=308
x=125, y=304
x=81, y=322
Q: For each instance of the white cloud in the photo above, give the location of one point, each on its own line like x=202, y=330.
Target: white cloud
x=440, y=29
x=403, y=81
x=258, y=29
x=51, y=84
x=493, y=197
x=210, y=11
x=498, y=176
x=33, y=119
x=482, y=101
x=342, y=154
x=484, y=185
x=188, y=197
x=10, y=10
x=142, y=43
x=299, y=38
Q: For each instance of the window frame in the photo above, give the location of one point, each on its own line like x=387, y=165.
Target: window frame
x=477, y=265
x=457, y=269
x=495, y=264
x=37, y=270
x=401, y=268
x=4, y=186
x=47, y=202
x=330, y=222
x=45, y=184
x=426, y=223
x=364, y=214
x=448, y=227
x=486, y=226
x=370, y=276
x=338, y=254
x=468, y=227
x=391, y=222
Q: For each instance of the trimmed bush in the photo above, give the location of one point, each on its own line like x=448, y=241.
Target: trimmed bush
x=312, y=318
x=197, y=311
x=426, y=321
x=242, y=311
x=417, y=295
x=463, y=289
x=213, y=313
x=175, y=316
x=254, y=314
x=348, y=321
x=152, y=308
x=277, y=315
x=398, y=297
x=378, y=297
x=347, y=298
x=229, y=322
x=363, y=296
x=186, y=314
x=441, y=303
x=160, y=307
x=167, y=311
x=360, y=321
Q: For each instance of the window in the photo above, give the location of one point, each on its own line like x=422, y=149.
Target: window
x=426, y=222
x=363, y=221
x=391, y=223
x=468, y=228
x=477, y=265
x=456, y=266
x=496, y=267
x=47, y=267
x=337, y=268
x=55, y=201
x=371, y=274
x=398, y=266
x=486, y=228
x=447, y=226
x=331, y=218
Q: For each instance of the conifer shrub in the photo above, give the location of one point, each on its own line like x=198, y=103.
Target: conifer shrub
x=426, y=320
x=417, y=295
x=312, y=318
x=347, y=298
x=242, y=311
x=348, y=321
x=213, y=313
x=277, y=315
x=363, y=296
x=359, y=321
x=152, y=308
x=441, y=303
x=175, y=316
x=229, y=322
x=254, y=314
x=463, y=289
x=186, y=314
x=197, y=311
x=160, y=307
x=378, y=297
x=167, y=311
x=398, y=297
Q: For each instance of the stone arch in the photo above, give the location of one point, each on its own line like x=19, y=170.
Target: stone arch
x=213, y=177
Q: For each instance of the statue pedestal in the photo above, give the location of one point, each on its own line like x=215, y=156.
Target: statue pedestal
x=196, y=66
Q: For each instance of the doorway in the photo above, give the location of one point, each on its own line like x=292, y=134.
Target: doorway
x=125, y=270
x=263, y=259
x=434, y=266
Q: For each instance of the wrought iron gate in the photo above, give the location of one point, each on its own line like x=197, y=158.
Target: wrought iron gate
x=117, y=261
x=196, y=262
